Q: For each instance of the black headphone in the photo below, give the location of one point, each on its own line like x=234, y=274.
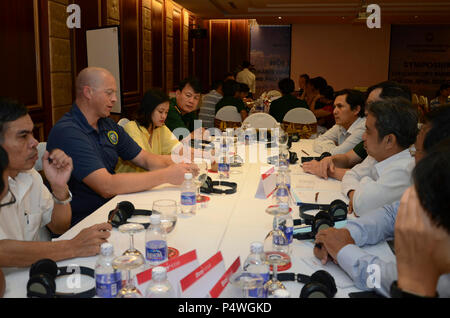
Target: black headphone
x=125, y=210
x=337, y=210
x=208, y=187
x=323, y=155
x=321, y=221
x=319, y=285
x=41, y=283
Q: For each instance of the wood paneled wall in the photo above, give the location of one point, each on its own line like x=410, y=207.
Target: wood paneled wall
x=229, y=46
x=24, y=59
x=42, y=57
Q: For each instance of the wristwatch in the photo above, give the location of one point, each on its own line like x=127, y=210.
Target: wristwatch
x=57, y=201
x=396, y=292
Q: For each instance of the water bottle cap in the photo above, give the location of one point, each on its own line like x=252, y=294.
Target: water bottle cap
x=106, y=249
x=188, y=176
x=257, y=247
x=155, y=219
x=281, y=293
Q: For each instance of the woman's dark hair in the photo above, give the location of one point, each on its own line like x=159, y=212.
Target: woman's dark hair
x=151, y=100
x=286, y=86
x=4, y=161
x=354, y=98
x=432, y=181
x=395, y=116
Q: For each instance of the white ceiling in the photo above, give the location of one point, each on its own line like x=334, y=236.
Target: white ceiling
x=324, y=11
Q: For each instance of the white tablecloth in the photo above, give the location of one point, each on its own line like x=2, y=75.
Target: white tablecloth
x=229, y=224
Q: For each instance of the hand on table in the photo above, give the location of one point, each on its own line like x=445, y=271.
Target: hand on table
x=88, y=241
x=332, y=240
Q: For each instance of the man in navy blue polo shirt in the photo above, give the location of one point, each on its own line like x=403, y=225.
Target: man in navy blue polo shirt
x=95, y=142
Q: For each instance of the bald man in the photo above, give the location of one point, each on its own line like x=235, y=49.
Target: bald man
x=95, y=143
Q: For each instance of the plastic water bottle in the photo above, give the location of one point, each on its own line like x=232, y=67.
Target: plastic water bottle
x=224, y=160
x=188, y=195
x=255, y=264
x=156, y=243
x=284, y=175
x=283, y=224
x=159, y=286
x=282, y=196
x=108, y=281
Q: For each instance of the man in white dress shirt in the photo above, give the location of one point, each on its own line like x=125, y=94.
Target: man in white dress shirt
x=391, y=128
x=29, y=206
x=247, y=77
x=350, y=124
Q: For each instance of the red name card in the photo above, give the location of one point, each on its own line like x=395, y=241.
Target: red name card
x=225, y=279
x=170, y=265
x=267, y=184
x=198, y=283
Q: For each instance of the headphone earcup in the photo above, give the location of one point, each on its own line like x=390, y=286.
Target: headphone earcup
x=327, y=280
x=338, y=210
x=44, y=266
x=322, y=220
x=127, y=207
x=315, y=290
x=42, y=285
x=42, y=279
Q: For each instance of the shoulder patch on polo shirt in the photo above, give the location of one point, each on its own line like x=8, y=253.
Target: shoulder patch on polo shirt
x=113, y=137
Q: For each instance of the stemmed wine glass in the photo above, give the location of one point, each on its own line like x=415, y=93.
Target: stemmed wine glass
x=131, y=229
x=168, y=210
x=128, y=263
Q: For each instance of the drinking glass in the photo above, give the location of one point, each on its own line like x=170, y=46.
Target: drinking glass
x=168, y=210
x=131, y=229
x=127, y=263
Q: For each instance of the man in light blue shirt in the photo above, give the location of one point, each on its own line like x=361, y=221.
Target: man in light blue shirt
x=343, y=245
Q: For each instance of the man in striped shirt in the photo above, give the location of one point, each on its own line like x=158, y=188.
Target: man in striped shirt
x=208, y=107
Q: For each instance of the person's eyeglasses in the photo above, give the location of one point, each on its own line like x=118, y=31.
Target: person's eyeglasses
x=12, y=201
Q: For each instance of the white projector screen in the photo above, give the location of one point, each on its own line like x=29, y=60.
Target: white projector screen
x=103, y=50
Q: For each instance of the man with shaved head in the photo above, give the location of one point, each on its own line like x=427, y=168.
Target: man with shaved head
x=95, y=143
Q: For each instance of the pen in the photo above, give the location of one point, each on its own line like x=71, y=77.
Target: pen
x=305, y=152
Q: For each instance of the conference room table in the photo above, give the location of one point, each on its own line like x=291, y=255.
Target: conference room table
x=229, y=224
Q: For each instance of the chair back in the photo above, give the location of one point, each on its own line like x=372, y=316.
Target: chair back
x=227, y=117
x=301, y=121
x=261, y=120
